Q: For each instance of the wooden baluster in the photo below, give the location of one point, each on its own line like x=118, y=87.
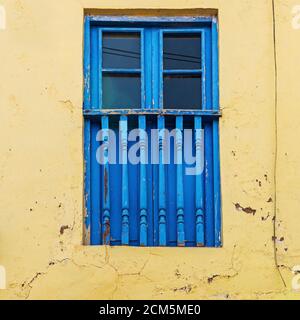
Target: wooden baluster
x=162, y=185
x=199, y=184
x=179, y=183
x=143, y=182
x=105, y=191
x=125, y=190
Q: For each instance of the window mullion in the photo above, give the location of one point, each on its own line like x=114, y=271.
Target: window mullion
x=156, y=58
x=147, y=67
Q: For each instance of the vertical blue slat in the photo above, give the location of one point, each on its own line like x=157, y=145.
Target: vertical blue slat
x=199, y=185
x=148, y=68
x=216, y=147
x=115, y=186
x=208, y=69
x=142, y=66
x=134, y=221
x=179, y=182
x=204, y=70
x=160, y=68
x=215, y=65
x=94, y=69
x=87, y=129
x=156, y=72
x=106, y=184
x=143, y=182
x=209, y=207
x=171, y=191
x=95, y=186
x=87, y=63
x=152, y=74
x=125, y=191
x=87, y=177
x=154, y=190
x=99, y=89
x=162, y=185
x=216, y=166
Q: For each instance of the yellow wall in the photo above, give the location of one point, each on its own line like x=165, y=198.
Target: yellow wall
x=41, y=162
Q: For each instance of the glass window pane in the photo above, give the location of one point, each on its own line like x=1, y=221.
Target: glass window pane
x=121, y=50
x=182, y=51
x=182, y=92
x=121, y=91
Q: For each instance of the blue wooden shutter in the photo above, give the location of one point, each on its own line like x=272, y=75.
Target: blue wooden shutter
x=151, y=204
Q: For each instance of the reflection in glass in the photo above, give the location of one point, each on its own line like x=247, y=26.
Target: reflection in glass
x=121, y=91
x=182, y=51
x=121, y=50
x=182, y=92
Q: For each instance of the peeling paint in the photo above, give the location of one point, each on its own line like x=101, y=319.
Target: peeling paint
x=62, y=229
x=247, y=210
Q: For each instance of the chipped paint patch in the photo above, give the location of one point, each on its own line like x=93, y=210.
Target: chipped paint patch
x=247, y=210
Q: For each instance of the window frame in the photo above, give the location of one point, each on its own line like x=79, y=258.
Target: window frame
x=200, y=31
x=210, y=109
x=140, y=71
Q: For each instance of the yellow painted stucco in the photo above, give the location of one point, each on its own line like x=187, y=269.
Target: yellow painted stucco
x=41, y=160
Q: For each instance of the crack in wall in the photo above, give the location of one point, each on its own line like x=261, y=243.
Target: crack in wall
x=226, y=276
x=27, y=286
x=120, y=275
x=68, y=104
x=276, y=137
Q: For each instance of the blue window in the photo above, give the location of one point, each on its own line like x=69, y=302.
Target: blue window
x=154, y=75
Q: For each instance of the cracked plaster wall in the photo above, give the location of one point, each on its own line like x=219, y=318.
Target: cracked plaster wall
x=41, y=161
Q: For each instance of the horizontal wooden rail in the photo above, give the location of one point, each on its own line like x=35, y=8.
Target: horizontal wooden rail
x=165, y=112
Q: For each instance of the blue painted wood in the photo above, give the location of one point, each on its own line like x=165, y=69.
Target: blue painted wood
x=150, y=190
x=216, y=147
x=189, y=197
x=162, y=180
x=205, y=70
x=96, y=224
x=215, y=65
x=199, y=184
x=87, y=64
x=143, y=183
x=121, y=71
x=179, y=169
x=155, y=183
x=183, y=71
x=207, y=75
x=162, y=183
x=161, y=66
x=183, y=30
x=125, y=191
x=217, y=196
x=121, y=29
x=209, y=230
x=142, y=66
x=134, y=221
x=156, y=69
x=115, y=186
x=99, y=73
x=87, y=178
x=171, y=188
x=166, y=112
x=148, y=20
x=94, y=75
x=147, y=85
x=106, y=184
